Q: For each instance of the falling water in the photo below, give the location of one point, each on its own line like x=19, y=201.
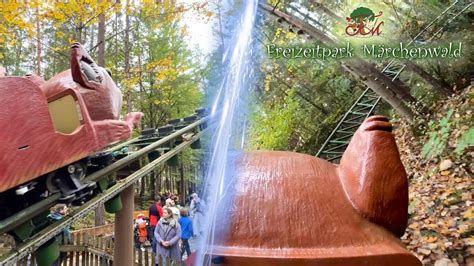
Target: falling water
x=228, y=109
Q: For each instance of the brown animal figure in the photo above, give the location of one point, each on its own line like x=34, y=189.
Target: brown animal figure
x=51, y=124
x=295, y=209
x=102, y=97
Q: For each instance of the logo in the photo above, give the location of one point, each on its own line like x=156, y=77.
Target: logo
x=363, y=22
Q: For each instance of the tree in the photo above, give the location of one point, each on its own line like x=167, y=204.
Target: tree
x=100, y=211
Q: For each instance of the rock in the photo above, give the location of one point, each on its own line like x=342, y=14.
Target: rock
x=446, y=164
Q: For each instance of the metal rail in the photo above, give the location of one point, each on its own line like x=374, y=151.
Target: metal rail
x=35, y=209
x=51, y=231
x=142, y=152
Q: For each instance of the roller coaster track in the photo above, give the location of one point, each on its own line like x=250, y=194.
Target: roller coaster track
x=194, y=129
x=337, y=142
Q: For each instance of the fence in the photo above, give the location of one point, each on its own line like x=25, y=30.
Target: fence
x=87, y=250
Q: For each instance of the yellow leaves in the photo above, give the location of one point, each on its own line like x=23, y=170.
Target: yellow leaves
x=468, y=214
x=78, y=13
x=129, y=83
x=278, y=32
x=290, y=35
x=160, y=76
x=266, y=85
x=71, y=40
x=414, y=226
x=431, y=226
x=431, y=239
x=165, y=69
x=445, y=173
x=13, y=17
x=444, y=231
x=274, y=2
x=60, y=34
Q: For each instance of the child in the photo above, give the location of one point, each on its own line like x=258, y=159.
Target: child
x=141, y=231
x=186, y=231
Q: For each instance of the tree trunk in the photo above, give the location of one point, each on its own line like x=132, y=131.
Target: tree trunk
x=158, y=183
x=153, y=176
x=172, y=185
x=166, y=185
x=439, y=86
x=127, y=59
x=100, y=211
x=390, y=91
x=101, y=40
x=99, y=217
x=38, y=42
x=181, y=184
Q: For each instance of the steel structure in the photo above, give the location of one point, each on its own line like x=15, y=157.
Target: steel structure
x=194, y=130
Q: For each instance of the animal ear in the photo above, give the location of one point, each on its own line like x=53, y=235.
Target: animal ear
x=373, y=176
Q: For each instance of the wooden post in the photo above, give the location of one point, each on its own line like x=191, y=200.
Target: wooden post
x=77, y=242
x=83, y=242
x=123, y=231
x=182, y=186
x=72, y=253
x=147, y=262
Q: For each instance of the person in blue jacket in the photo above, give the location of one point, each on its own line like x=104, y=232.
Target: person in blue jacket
x=64, y=238
x=186, y=231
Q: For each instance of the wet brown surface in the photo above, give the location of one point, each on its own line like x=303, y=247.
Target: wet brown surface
x=296, y=209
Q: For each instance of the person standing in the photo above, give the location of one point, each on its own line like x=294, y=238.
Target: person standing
x=64, y=238
x=155, y=212
x=196, y=211
x=140, y=227
x=168, y=234
x=186, y=231
x=172, y=207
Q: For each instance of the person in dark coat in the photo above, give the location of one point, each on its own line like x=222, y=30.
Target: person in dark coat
x=186, y=231
x=168, y=234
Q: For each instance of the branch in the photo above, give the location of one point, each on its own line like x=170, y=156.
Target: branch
x=133, y=26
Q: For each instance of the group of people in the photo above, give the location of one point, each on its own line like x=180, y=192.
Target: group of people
x=167, y=228
x=171, y=225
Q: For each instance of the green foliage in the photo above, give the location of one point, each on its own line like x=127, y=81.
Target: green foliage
x=438, y=136
x=273, y=128
x=467, y=140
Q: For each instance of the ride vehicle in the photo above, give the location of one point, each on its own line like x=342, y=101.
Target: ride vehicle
x=52, y=131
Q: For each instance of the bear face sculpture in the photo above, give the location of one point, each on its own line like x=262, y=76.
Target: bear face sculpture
x=102, y=97
x=285, y=208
